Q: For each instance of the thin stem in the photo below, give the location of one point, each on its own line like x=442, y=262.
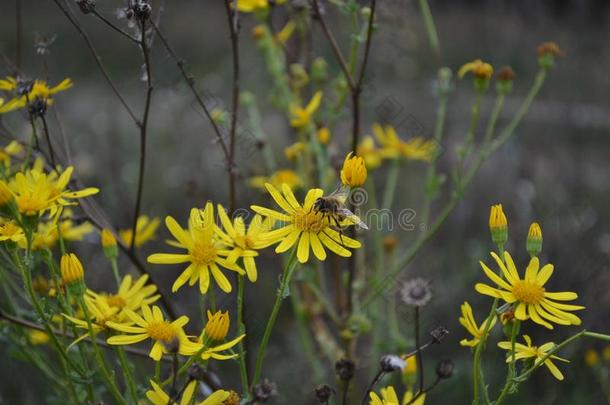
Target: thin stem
x=241, y=329
x=419, y=354
x=430, y=26
x=48, y=138
x=98, y=60
x=127, y=373
x=18, y=34
x=281, y=294
x=191, y=83
x=113, y=26
x=372, y=385
x=477, y=372
x=143, y=134
x=424, y=391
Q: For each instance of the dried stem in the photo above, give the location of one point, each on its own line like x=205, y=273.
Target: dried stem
x=419, y=355
x=372, y=385
x=114, y=27
x=48, y=138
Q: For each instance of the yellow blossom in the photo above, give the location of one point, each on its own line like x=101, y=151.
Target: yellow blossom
x=39, y=91
x=537, y=353
x=323, y=134
x=353, y=173
x=204, y=251
x=244, y=242
x=293, y=151
x=498, y=225
x=389, y=397
x=285, y=33
x=130, y=295
x=304, y=227
x=467, y=320
x=277, y=178
x=217, y=326
x=158, y=397
x=167, y=336
x=372, y=156
x=10, y=231
x=534, y=239
x=38, y=337
x=146, y=229
x=478, y=68
x=528, y=295
x=301, y=117
x=71, y=269
x=107, y=237
x=393, y=147
x=251, y=6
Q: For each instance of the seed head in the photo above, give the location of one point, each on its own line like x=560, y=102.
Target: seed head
x=416, y=292
x=323, y=393
x=444, y=369
x=86, y=6
x=345, y=369
x=264, y=390
x=390, y=363
x=438, y=334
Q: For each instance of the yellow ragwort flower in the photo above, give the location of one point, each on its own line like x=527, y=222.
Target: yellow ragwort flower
x=323, y=135
x=217, y=326
x=107, y=238
x=301, y=117
x=389, y=397
x=534, y=240
x=372, y=156
x=158, y=397
x=71, y=269
x=99, y=312
x=353, y=173
x=146, y=229
x=38, y=337
x=393, y=147
x=39, y=90
x=537, y=353
x=528, y=295
x=169, y=337
x=278, y=178
x=205, y=251
x=6, y=196
x=467, y=320
x=303, y=226
x=10, y=231
x=244, y=242
x=252, y=6
x=130, y=295
x=480, y=69
x=295, y=150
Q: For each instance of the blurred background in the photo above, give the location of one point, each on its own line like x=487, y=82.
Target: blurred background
x=555, y=170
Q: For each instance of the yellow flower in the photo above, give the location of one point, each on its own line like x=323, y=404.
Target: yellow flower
x=353, y=173
x=389, y=397
x=410, y=365
x=204, y=251
x=498, y=225
x=278, y=178
x=323, y=134
x=528, y=295
x=11, y=231
x=37, y=192
x=303, y=226
x=214, y=352
x=6, y=196
x=107, y=237
x=468, y=322
x=525, y=352
x=244, y=243
x=14, y=148
x=285, y=33
x=301, y=117
x=479, y=69
x=295, y=150
x=145, y=231
x=217, y=326
x=130, y=295
x=71, y=269
x=47, y=235
x=251, y=6
x=100, y=314
x=393, y=147
x=158, y=397
x=38, y=337
x=169, y=337
x=372, y=156
x=591, y=358
x=39, y=91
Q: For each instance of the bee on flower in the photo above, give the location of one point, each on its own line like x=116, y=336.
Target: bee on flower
x=37, y=95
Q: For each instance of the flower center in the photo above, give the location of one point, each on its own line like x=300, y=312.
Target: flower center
x=528, y=292
x=162, y=331
x=30, y=205
x=243, y=242
x=309, y=221
x=203, y=254
x=116, y=301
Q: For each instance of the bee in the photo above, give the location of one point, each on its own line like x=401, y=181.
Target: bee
x=333, y=206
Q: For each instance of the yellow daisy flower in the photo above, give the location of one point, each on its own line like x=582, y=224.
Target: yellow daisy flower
x=131, y=295
x=371, y=155
x=393, y=147
x=301, y=117
x=145, y=231
x=468, y=322
x=10, y=231
x=204, y=251
x=527, y=351
x=244, y=243
x=47, y=235
x=38, y=337
x=39, y=90
x=37, y=192
x=528, y=295
x=152, y=325
x=293, y=151
x=214, y=352
x=99, y=311
x=479, y=69
x=251, y=6
x=158, y=397
x=302, y=225
x=389, y=397
x=278, y=178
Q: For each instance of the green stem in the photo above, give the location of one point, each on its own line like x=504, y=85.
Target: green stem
x=99, y=357
x=430, y=26
x=127, y=373
x=510, y=375
x=115, y=271
x=241, y=329
x=281, y=294
x=478, y=380
x=390, y=185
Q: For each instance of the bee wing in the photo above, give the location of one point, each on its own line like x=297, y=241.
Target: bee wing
x=340, y=194
x=353, y=218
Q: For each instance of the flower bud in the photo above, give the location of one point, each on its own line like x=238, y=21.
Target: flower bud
x=353, y=173
x=323, y=393
x=547, y=53
x=323, y=135
x=498, y=225
x=481, y=71
x=534, y=240
x=258, y=31
x=72, y=273
x=109, y=244
x=217, y=326
x=389, y=243
x=505, y=77
x=319, y=70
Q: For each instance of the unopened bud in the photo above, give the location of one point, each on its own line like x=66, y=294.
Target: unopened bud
x=444, y=369
x=534, y=240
